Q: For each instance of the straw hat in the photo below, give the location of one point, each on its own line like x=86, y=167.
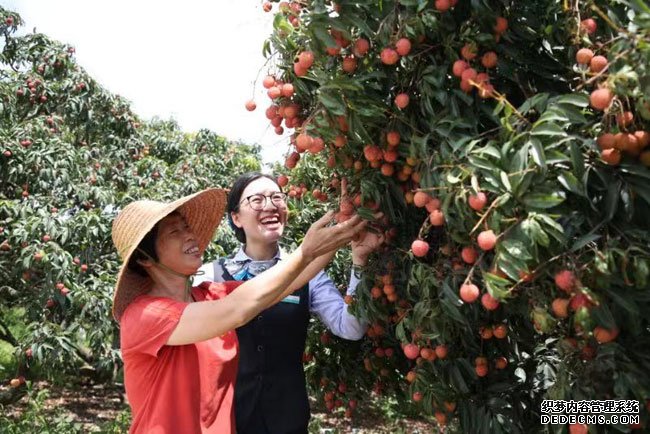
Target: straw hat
x=203, y=212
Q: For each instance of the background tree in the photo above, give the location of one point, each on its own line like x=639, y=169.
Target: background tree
x=72, y=155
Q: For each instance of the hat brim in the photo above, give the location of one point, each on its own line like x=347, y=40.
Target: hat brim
x=203, y=212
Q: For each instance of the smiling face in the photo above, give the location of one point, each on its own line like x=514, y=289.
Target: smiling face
x=177, y=246
x=267, y=225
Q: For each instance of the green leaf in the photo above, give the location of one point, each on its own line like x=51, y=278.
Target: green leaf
x=505, y=181
x=603, y=316
x=641, y=272
x=576, y=99
x=488, y=150
x=643, y=191
x=280, y=23
x=510, y=265
x=453, y=179
x=537, y=101
x=544, y=200
x=518, y=161
x=624, y=302
x=521, y=374
x=333, y=103
x=496, y=286
x=548, y=129
x=266, y=48
x=551, y=226
x=453, y=312
x=450, y=294
x=611, y=200
x=457, y=380
x=523, y=184
x=583, y=241
x=577, y=160
x=554, y=156
x=534, y=231
x=502, y=200
x=551, y=116
x=516, y=248
x=537, y=152
x=570, y=182
x=321, y=33
x=482, y=163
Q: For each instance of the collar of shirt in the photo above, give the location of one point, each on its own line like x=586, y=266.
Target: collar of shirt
x=242, y=267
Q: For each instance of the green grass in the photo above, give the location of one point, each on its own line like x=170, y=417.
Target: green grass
x=6, y=355
x=14, y=318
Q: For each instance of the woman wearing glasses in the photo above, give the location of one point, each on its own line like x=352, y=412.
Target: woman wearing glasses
x=270, y=393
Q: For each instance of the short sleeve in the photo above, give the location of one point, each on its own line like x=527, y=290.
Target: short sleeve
x=218, y=290
x=147, y=324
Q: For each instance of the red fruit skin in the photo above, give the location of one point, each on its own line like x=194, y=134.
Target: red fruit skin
x=436, y=218
x=411, y=351
x=403, y=47
x=420, y=248
x=578, y=428
x=361, y=47
x=565, y=280
x=389, y=56
x=486, y=240
x=441, y=351
x=489, y=60
x=598, y=63
x=589, y=26
x=584, y=56
x=578, y=301
x=306, y=59
x=458, y=67
x=478, y=201
x=443, y=5
x=601, y=98
x=469, y=254
x=560, y=307
x=420, y=199
x=501, y=25
x=481, y=370
x=469, y=293
x=402, y=100
x=489, y=302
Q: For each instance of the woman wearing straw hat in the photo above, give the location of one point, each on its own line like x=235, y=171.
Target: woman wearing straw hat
x=178, y=345
x=271, y=393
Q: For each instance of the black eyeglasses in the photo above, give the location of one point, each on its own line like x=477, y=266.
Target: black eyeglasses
x=258, y=201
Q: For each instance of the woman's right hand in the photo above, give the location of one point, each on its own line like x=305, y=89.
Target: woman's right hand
x=321, y=239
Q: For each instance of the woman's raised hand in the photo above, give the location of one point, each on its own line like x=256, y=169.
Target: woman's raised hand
x=321, y=238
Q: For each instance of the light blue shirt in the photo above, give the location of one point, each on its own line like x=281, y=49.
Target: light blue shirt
x=325, y=300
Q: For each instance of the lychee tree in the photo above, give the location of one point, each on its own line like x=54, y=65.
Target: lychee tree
x=507, y=145
x=72, y=155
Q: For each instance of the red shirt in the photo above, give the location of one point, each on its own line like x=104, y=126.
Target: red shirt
x=182, y=388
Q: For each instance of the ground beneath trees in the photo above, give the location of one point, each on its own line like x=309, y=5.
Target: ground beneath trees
x=97, y=405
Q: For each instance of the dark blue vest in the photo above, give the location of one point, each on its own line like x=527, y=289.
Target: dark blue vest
x=271, y=393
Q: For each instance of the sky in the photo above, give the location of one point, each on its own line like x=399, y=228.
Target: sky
x=195, y=60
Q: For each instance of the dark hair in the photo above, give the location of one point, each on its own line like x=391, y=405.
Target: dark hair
x=234, y=197
x=147, y=245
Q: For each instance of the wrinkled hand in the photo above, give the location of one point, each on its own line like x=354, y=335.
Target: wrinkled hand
x=364, y=246
x=321, y=239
